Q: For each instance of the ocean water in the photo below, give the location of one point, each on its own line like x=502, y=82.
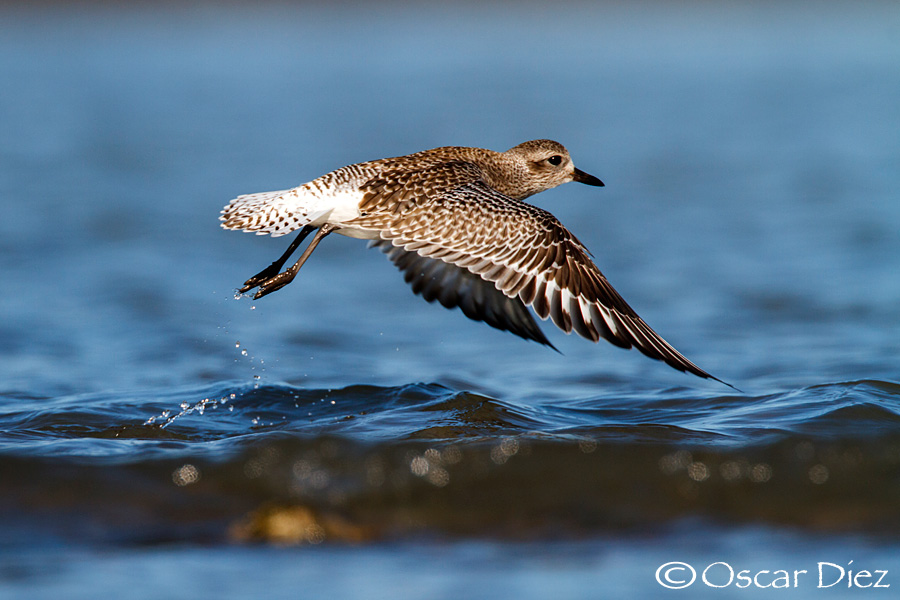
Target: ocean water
x=342, y=438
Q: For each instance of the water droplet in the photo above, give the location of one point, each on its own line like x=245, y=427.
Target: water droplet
x=244, y=352
x=438, y=476
x=186, y=475
x=760, y=473
x=451, y=455
x=818, y=474
x=237, y=344
x=419, y=466
x=698, y=471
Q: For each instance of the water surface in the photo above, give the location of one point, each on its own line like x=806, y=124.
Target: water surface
x=341, y=436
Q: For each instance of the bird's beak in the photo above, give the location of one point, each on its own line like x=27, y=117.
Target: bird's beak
x=582, y=177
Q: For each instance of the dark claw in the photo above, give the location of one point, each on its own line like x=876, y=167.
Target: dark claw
x=273, y=284
x=269, y=272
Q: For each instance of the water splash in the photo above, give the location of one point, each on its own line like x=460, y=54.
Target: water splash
x=167, y=418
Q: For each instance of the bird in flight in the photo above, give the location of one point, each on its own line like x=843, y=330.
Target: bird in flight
x=453, y=220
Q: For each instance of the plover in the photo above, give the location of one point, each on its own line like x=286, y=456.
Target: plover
x=453, y=220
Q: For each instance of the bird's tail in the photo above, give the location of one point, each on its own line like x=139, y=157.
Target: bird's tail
x=273, y=213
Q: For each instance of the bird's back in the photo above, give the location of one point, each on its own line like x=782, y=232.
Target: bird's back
x=336, y=196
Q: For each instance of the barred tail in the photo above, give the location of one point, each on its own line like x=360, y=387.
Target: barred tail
x=274, y=213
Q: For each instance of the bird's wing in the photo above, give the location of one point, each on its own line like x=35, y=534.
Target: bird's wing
x=525, y=252
x=454, y=287
x=401, y=190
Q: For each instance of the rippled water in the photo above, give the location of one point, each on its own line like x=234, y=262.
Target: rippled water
x=343, y=438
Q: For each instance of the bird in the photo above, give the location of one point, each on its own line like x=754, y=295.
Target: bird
x=454, y=221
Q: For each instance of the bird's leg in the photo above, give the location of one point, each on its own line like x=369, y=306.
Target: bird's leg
x=273, y=269
x=282, y=279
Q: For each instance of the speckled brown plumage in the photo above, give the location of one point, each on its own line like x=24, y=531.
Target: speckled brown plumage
x=453, y=220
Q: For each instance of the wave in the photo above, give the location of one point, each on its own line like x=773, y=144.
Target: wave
x=232, y=460
x=436, y=412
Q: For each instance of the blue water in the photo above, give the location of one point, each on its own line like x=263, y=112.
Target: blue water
x=342, y=438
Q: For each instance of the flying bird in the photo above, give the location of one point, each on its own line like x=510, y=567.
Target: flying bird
x=453, y=220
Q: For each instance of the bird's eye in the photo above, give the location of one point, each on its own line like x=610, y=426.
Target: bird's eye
x=555, y=160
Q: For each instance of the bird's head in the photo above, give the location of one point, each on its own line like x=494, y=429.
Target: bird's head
x=545, y=164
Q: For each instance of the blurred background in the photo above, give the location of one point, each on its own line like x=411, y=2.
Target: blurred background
x=750, y=215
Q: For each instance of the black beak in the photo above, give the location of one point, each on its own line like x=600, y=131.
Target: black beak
x=582, y=177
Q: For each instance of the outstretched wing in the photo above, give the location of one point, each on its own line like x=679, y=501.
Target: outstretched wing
x=454, y=287
x=525, y=252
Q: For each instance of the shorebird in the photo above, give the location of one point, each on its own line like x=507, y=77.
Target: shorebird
x=454, y=221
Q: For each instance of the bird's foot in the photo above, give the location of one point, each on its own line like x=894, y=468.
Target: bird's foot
x=260, y=278
x=274, y=283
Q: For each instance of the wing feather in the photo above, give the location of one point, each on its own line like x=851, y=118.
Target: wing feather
x=454, y=287
x=504, y=255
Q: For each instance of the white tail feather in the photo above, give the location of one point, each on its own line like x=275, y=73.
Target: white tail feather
x=274, y=213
